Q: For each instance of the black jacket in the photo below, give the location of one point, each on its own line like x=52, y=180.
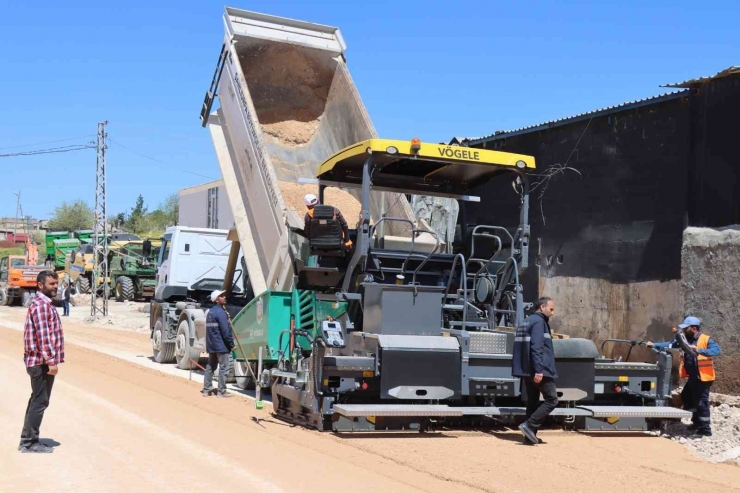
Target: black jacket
x=218, y=332
x=533, y=351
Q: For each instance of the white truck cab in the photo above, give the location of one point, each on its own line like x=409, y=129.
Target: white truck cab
x=192, y=263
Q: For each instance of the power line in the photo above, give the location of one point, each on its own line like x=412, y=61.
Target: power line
x=48, y=142
x=161, y=162
x=53, y=150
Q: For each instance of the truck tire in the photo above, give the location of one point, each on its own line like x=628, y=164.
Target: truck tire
x=244, y=379
x=184, y=352
x=3, y=297
x=82, y=285
x=163, y=352
x=26, y=298
x=124, y=289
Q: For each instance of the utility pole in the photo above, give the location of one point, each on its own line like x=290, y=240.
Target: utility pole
x=100, y=232
x=17, y=209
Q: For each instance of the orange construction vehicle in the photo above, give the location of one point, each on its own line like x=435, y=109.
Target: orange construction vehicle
x=17, y=280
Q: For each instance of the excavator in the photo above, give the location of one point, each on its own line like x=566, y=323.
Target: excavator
x=18, y=275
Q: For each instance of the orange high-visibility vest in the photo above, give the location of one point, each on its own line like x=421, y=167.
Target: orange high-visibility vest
x=705, y=363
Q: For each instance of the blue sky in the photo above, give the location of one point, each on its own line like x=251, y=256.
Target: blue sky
x=430, y=69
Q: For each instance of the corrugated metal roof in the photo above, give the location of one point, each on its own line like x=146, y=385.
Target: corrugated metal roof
x=500, y=134
x=687, y=84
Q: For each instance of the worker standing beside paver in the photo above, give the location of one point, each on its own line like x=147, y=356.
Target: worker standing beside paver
x=219, y=343
x=43, y=351
x=698, y=367
x=534, y=362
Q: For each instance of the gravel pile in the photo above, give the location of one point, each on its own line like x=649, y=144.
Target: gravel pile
x=724, y=444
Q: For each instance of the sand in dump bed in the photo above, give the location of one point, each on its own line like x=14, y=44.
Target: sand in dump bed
x=289, y=86
x=293, y=194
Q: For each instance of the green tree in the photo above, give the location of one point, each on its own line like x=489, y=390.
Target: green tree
x=136, y=221
x=72, y=216
x=171, y=209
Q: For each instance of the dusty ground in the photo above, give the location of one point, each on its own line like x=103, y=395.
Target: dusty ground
x=123, y=427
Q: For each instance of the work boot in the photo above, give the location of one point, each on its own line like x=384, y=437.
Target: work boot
x=223, y=394
x=529, y=433
x=701, y=433
x=36, y=448
x=205, y=393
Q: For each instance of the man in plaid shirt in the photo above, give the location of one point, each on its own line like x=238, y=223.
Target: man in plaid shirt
x=43, y=345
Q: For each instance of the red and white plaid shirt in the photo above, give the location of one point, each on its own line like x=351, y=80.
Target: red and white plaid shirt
x=43, y=338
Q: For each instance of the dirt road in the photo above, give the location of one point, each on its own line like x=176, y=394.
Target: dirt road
x=123, y=427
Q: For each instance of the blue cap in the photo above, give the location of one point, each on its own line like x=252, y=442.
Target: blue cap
x=688, y=321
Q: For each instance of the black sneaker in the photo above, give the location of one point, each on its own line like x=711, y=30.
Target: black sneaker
x=36, y=448
x=528, y=433
x=223, y=394
x=205, y=393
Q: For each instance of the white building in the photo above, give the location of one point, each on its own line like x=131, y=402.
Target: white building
x=205, y=206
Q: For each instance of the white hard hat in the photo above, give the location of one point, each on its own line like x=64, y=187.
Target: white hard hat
x=216, y=294
x=310, y=200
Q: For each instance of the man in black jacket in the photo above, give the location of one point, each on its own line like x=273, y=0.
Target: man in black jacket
x=534, y=362
x=219, y=343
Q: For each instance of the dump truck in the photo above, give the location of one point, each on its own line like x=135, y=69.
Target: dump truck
x=287, y=102
x=394, y=333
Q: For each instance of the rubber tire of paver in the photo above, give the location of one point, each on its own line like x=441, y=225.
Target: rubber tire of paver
x=82, y=285
x=166, y=351
x=26, y=298
x=244, y=379
x=184, y=353
x=124, y=289
x=3, y=297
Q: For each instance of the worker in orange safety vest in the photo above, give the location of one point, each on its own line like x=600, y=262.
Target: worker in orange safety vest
x=699, y=369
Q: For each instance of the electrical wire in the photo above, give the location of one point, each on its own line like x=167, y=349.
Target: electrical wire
x=48, y=142
x=53, y=150
x=160, y=162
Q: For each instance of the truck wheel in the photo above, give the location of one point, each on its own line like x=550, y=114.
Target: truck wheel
x=3, y=297
x=82, y=285
x=124, y=289
x=163, y=352
x=184, y=352
x=244, y=379
x=26, y=298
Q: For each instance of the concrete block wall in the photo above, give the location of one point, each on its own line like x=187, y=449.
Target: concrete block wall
x=710, y=290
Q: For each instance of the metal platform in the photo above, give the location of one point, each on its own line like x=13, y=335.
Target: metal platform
x=357, y=410
x=637, y=412
x=423, y=410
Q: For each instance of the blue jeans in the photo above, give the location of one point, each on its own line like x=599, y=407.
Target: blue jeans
x=65, y=305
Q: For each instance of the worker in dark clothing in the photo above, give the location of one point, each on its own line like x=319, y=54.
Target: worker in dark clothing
x=219, y=343
x=312, y=201
x=698, y=367
x=534, y=363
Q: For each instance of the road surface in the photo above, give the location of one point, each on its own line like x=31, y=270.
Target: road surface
x=122, y=427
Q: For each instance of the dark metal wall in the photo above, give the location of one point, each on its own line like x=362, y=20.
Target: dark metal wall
x=620, y=216
x=714, y=180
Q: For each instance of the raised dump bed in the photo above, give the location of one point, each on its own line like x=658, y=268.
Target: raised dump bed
x=287, y=102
